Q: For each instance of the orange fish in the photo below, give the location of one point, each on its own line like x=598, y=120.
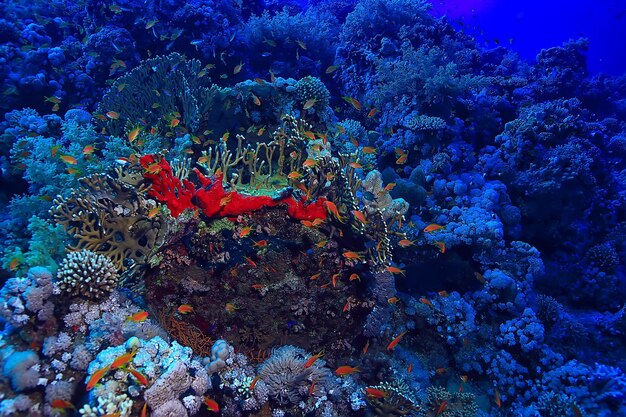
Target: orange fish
x=132, y=135
x=321, y=244
x=61, y=404
x=144, y=410
x=352, y=255
x=332, y=209
x=427, y=302
x=294, y=175
x=346, y=306
x=433, y=228
x=375, y=392
x=250, y=261
x=312, y=388
x=480, y=277
x=402, y=159
x=254, y=382
x=315, y=276
x=258, y=286
x=360, y=216
x=346, y=370
x=15, y=262
x=96, y=377
x=54, y=150
x=174, y=123
x=139, y=317
x=356, y=165
x=141, y=378
x=113, y=115
x=366, y=347
x=464, y=378
x=245, y=231
x=395, y=270
x=310, y=103
x=395, y=341
x=260, y=243
x=498, y=400
x=354, y=102
x=88, y=149
x=354, y=276
x=369, y=150
x=334, y=279
x=309, y=135
x=410, y=368
x=372, y=112
x=122, y=360
x=259, y=81
x=389, y=186
x=238, y=68
x=226, y=200
x=441, y=371
x=312, y=360
x=255, y=99
x=309, y=163
x=393, y=300
x=211, y=404
x=405, y=243
x=153, y=211
x=153, y=168
x=441, y=246
x=184, y=309
x=443, y=293
x=442, y=408
x=68, y=159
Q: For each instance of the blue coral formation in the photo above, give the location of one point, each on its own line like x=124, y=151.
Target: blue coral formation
x=305, y=208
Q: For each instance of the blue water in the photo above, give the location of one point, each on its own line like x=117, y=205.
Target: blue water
x=529, y=26
x=312, y=208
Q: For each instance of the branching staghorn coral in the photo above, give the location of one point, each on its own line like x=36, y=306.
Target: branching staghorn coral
x=109, y=217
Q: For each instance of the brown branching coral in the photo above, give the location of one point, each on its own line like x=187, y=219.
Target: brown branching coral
x=185, y=333
x=109, y=217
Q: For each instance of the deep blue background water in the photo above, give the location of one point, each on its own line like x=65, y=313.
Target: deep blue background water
x=537, y=24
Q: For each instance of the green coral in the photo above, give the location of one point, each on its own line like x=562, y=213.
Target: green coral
x=158, y=88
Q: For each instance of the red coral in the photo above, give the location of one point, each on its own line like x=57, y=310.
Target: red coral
x=166, y=187
x=211, y=197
